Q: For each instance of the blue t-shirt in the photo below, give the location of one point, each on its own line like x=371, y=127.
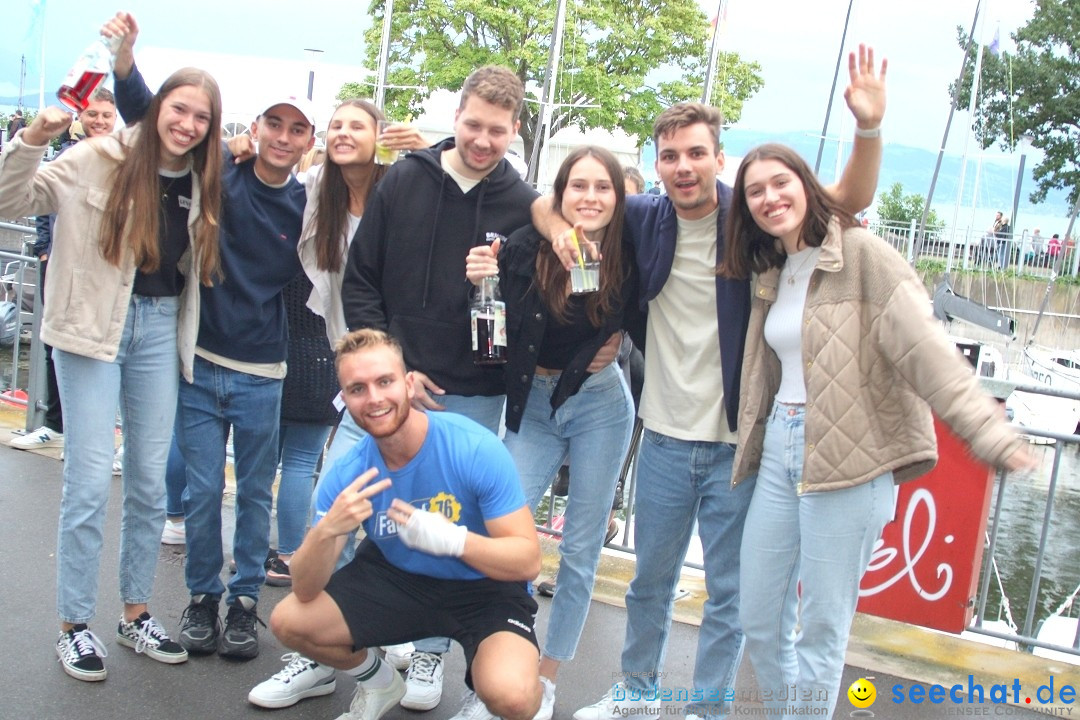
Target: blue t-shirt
x=462, y=471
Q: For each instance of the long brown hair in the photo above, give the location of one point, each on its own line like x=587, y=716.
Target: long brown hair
x=332, y=211
x=748, y=248
x=133, y=211
x=551, y=277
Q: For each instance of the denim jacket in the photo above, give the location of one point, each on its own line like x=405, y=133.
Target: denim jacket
x=527, y=318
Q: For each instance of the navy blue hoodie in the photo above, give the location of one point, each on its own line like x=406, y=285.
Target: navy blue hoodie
x=243, y=316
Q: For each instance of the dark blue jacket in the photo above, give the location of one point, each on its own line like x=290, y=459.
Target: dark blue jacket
x=243, y=316
x=652, y=228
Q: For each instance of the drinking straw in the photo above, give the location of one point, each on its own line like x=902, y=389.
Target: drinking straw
x=580, y=257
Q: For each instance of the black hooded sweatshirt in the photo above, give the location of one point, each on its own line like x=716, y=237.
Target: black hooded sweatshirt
x=406, y=267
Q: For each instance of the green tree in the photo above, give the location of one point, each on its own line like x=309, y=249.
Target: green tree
x=1034, y=92
x=896, y=207
x=623, y=61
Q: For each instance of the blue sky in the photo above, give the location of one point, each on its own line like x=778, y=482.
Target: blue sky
x=794, y=41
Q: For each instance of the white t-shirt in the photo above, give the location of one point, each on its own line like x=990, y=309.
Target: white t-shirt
x=784, y=325
x=465, y=183
x=684, y=388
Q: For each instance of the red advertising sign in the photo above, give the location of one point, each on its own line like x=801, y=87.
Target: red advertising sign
x=925, y=568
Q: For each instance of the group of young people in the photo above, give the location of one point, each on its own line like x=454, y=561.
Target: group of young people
x=790, y=368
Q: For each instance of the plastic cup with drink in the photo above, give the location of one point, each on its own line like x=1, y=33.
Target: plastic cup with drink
x=386, y=155
x=585, y=276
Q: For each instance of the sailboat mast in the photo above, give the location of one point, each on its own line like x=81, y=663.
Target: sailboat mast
x=547, y=99
x=832, y=94
x=384, y=56
x=714, y=51
x=41, y=60
x=964, y=157
x=944, y=139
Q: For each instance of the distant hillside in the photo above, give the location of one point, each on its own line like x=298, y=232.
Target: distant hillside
x=914, y=168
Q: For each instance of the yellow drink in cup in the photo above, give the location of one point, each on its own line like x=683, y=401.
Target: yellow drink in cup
x=383, y=154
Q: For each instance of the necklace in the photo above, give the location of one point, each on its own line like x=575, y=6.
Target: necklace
x=168, y=186
x=167, y=183
x=793, y=273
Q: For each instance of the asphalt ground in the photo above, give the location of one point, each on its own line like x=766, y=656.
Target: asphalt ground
x=137, y=687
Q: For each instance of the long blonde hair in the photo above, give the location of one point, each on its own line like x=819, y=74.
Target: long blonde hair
x=133, y=211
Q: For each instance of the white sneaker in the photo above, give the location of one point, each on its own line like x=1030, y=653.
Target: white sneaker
x=118, y=461
x=300, y=678
x=547, y=700
x=618, y=704
x=174, y=533
x=473, y=708
x=372, y=703
x=423, y=682
x=43, y=437
x=399, y=656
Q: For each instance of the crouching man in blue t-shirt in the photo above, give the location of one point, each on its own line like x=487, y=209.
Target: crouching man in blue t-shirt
x=450, y=544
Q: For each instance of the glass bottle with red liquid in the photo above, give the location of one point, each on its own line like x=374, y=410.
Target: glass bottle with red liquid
x=487, y=318
x=88, y=72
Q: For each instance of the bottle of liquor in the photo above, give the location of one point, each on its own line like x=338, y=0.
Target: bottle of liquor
x=487, y=315
x=88, y=72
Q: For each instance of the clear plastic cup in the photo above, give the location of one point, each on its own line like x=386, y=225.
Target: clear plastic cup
x=383, y=154
x=585, y=277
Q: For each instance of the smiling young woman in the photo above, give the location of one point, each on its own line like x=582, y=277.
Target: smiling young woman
x=555, y=409
x=123, y=329
x=842, y=367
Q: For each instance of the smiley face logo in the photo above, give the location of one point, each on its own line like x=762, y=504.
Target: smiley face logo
x=862, y=693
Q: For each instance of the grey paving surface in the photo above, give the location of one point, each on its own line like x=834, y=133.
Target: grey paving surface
x=35, y=687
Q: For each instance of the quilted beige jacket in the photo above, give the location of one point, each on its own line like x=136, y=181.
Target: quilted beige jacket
x=87, y=296
x=875, y=364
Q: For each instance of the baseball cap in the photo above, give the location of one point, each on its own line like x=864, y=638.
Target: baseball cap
x=301, y=104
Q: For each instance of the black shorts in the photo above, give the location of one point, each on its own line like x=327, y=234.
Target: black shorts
x=385, y=605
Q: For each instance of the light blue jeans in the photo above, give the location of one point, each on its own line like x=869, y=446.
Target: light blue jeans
x=143, y=378
x=488, y=411
x=251, y=405
x=594, y=427
x=680, y=481
x=821, y=541
x=301, y=447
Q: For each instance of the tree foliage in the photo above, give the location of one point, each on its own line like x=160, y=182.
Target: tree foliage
x=622, y=61
x=896, y=207
x=1034, y=92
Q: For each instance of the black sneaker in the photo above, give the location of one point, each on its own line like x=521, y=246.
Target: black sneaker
x=270, y=555
x=546, y=587
x=241, y=637
x=277, y=572
x=561, y=486
x=200, y=625
x=81, y=654
x=146, y=635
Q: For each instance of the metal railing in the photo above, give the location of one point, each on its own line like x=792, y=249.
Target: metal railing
x=1026, y=634
x=971, y=249
x=20, y=274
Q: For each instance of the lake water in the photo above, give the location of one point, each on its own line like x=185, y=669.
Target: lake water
x=1023, y=509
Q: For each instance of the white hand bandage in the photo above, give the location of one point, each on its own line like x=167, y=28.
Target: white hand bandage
x=432, y=533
